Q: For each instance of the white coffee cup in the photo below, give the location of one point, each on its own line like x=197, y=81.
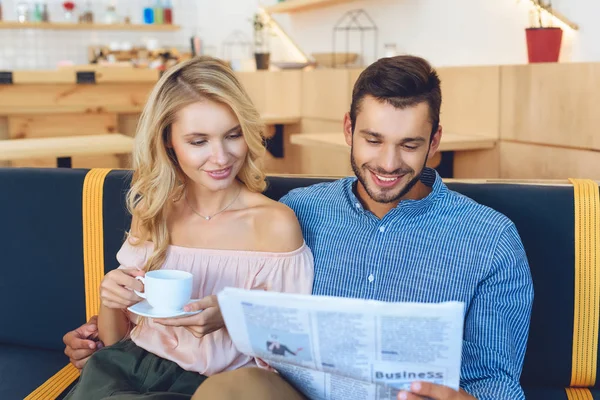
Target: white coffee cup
x=166, y=289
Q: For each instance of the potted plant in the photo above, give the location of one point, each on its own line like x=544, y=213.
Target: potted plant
x=543, y=42
x=262, y=31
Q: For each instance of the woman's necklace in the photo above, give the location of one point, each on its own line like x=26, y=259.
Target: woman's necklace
x=209, y=217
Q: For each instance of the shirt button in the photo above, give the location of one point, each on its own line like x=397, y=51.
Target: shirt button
x=357, y=205
x=371, y=278
x=382, y=229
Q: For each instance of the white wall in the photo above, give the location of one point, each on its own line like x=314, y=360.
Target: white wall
x=447, y=32
x=452, y=32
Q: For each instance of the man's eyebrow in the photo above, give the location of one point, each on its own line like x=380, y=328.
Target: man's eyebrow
x=368, y=132
x=377, y=135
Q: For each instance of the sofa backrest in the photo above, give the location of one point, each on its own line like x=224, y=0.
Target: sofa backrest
x=42, y=293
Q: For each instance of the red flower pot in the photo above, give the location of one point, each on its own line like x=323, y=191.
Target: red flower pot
x=543, y=44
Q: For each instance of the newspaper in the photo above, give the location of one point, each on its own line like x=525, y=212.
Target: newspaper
x=351, y=349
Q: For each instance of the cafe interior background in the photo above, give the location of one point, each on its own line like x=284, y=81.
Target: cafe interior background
x=519, y=77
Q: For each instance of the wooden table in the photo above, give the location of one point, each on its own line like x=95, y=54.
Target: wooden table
x=451, y=142
x=63, y=148
x=279, y=121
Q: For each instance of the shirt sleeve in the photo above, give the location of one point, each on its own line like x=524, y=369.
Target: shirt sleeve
x=292, y=273
x=497, y=324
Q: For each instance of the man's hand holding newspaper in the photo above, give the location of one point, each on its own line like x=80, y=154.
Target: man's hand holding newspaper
x=351, y=349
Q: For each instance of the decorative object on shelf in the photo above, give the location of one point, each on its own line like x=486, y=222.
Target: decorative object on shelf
x=69, y=6
x=45, y=13
x=87, y=16
x=291, y=64
x=168, y=12
x=353, y=20
x=262, y=48
x=158, y=12
x=390, y=50
x=543, y=40
x=111, y=15
x=22, y=11
x=148, y=13
x=37, y=12
x=236, y=48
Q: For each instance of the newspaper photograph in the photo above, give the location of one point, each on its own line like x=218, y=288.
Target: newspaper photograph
x=352, y=349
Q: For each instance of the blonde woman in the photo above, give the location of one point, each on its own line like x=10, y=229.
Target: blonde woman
x=197, y=206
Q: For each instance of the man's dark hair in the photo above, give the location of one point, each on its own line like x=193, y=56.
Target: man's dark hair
x=402, y=81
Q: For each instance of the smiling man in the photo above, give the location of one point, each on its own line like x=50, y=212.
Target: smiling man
x=395, y=232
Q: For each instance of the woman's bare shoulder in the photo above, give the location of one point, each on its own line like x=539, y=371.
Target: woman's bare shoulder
x=277, y=226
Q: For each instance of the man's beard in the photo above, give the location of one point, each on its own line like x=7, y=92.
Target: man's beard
x=384, y=197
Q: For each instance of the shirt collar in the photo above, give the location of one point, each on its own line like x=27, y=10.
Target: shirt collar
x=429, y=177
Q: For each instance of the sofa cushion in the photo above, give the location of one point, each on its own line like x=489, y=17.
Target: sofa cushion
x=41, y=290
x=23, y=369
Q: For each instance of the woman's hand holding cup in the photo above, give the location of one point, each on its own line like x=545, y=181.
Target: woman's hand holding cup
x=117, y=288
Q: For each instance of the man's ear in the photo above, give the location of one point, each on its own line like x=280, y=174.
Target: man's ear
x=435, y=142
x=348, y=129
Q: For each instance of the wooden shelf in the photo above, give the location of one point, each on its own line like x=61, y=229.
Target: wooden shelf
x=288, y=6
x=75, y=26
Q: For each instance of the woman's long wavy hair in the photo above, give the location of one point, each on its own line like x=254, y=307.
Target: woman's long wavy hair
x=157, y=177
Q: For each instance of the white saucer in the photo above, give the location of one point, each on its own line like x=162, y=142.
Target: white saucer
x=144, y=309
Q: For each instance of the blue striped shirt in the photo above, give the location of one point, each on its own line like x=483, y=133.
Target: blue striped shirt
x=444, y=247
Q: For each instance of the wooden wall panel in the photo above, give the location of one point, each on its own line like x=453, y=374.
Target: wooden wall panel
x=527, y=161
x=255, y=84
x=477, y=164
x=127, y=123
x=284, y=93
x=274, y=92
x=3, y=136
x=53, y=125
x=326, y=94
x=354, y=74
x=40, y=99
x=552, y=104
x=471, y=100
x=315, y=161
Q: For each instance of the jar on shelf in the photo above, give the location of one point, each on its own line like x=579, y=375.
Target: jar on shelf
x=390, y=50
x=69, y=14
x=88, y=15
x=111, y=15
x=23, y=11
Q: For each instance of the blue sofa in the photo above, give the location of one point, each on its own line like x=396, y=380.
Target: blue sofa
x=61, y=228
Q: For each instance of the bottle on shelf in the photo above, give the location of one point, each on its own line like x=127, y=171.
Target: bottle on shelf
x=45, y=14
x=168, y=12
x=37, y=12
x=148, y=13
x=22, y=11
x=158, y=12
